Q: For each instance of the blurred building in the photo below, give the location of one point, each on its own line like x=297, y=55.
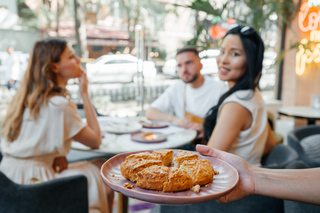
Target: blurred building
x=11, y=34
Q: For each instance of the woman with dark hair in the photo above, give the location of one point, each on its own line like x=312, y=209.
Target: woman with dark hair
x=41, y=122
x=238, y=123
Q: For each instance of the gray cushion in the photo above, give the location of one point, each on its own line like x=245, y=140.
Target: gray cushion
x=311, y=146
x=63, y=195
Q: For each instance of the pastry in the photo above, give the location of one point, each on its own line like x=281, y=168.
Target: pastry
x=166, y=156
x=201, y=171
x=183, y=155
x=130, y=168
x=152, y=170
x=153, y=177
x=178, y=180
x=141, y=155
x=136, y=162
x=148, y=136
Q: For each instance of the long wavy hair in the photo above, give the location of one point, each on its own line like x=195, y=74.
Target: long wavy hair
x=37, y=86
x=254, y=49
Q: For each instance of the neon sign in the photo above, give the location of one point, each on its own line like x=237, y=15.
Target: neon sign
x=308, y=19
x=309, y=23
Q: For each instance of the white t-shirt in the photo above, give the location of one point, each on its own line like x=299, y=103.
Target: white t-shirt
x=250, y=143
x=198, y=101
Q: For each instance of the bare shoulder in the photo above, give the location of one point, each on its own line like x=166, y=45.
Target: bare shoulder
x=233, y=111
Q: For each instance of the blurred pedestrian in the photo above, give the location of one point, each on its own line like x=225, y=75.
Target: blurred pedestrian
x=13, y=69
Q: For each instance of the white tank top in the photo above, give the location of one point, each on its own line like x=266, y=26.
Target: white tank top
x=250, y=143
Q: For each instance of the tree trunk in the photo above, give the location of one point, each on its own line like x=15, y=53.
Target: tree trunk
x=58, y=18
x=80, y=28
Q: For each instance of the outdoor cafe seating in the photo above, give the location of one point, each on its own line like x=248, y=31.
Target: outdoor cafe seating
x=55, y=195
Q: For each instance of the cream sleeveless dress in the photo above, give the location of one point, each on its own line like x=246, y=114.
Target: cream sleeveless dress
x=42, y=140
x=250, y=143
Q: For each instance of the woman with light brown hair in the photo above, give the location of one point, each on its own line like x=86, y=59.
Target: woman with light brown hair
x=41, y=122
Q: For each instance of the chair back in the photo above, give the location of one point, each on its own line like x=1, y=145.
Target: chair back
x=63, y=195
x=279, y=157
x=294, y=140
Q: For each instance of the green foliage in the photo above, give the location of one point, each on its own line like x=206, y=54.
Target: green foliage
x=255, y=13
x=203, y=5
x=28, y=18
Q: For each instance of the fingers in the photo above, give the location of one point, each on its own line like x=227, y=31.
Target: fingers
x=222, y=200
x=60, y=164
x=205, y=150
x=56, y=168
x=60, y=168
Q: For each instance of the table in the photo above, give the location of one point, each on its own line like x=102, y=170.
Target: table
x=120, y=143
x=304, y=112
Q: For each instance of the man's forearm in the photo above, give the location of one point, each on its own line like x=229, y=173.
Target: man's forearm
x=155, y=114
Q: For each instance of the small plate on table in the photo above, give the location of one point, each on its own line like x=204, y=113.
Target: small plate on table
x=148, y=137
x=223, y=183
x=154, y=124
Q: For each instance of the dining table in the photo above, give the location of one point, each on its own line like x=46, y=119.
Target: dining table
x=119, y=136
x=304, y=112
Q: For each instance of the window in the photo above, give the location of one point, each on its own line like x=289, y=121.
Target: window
x=97, y=48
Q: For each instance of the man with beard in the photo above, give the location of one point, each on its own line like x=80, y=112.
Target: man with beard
x=187, y=102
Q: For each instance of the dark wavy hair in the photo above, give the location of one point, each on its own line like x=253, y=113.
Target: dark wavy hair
x=254, y=49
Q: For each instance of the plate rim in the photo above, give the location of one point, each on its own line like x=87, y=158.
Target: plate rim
x=171, y=200
x=163, y=139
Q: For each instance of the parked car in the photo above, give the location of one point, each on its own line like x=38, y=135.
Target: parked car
x=118, y=68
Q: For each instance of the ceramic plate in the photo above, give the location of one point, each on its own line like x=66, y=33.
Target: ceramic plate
x=222, y=183
x=154, y=124
x=118, y=125
x=173, y=140
x=148, y=137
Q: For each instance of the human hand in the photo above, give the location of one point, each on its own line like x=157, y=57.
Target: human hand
x=198, y=127
x=246, y=184
x=182, y=122
x=83, y=83
x=60, y=164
